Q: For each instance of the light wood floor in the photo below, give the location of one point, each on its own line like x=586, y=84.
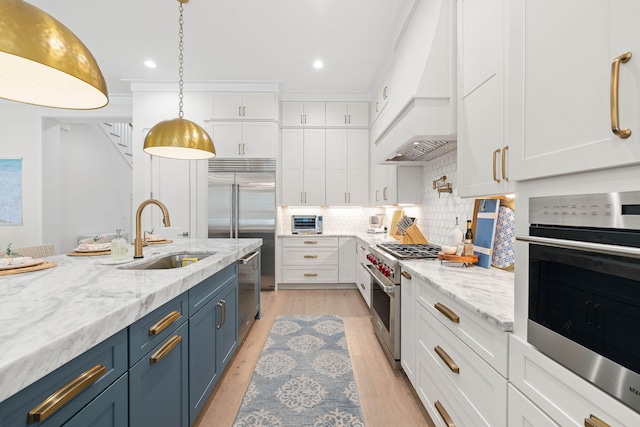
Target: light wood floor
x=386, y=396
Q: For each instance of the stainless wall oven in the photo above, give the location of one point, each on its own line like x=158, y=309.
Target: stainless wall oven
x=584, y=287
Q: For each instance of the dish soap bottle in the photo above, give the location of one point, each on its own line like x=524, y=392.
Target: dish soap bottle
x=455, y=237
x=118, y=247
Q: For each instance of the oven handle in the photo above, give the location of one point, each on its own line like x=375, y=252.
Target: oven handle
x=600, y=248
x=388, y=289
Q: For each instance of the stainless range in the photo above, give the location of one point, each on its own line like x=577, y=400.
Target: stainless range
x=385, y=272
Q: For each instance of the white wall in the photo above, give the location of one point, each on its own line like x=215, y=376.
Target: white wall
x=87, y=186
x=20, y=131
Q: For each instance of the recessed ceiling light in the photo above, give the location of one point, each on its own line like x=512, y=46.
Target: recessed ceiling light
x=149, y=63
x=318, y=64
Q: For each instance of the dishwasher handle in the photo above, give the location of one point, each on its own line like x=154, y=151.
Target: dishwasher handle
x=245, y=259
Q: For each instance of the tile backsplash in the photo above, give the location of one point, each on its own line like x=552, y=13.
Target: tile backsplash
x=435, y=218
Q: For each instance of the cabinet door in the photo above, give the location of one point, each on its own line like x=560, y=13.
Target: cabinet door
x=523, y=413
x=292, y=114
x=109, y=409
x=347, y=256
x=358, y=114
x=257, y=106
x=227, y=139
x=336, y=114
x=292, y=167
x=336, y=167
x=314, y=167
x=227, y=333
x=408, y=342
x=389, y=184
x=358, y=167
x=560, y=86
x=227, y=105
x=314, y=114
x=158, y=394
x=258, y=140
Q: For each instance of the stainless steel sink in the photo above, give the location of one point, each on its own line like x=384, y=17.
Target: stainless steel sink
x=170, y=261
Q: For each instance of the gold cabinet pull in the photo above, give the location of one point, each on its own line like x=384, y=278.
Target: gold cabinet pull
x=164, y=323
x=165, y=349
x=594, y=421
x=384, y=193
x=362, y=286
x=615, y=114
x=377, y=195
x=406, y=275
x=447, y=312
x=310, y=242
x=65, y=394
x=310, y=274
x=495, y=175
x=447, y=359
x=444, y=414
x=311, y=256
x=504, y=163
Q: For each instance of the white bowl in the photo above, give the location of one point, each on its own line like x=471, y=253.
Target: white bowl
x=449, y=250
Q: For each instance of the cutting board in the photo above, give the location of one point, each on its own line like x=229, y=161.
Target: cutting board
x=486, y=214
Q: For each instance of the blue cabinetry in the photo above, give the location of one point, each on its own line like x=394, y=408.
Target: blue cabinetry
x=109, y=409
x=54, y=399
x=213, y=333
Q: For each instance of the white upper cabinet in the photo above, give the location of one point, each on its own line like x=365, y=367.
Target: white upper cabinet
x=352, y=114
x=243, y=106
x=303, y=114
x=244, y=139
x=347, y=171
x=303, y=167
x=561, y=63
x=483, y=153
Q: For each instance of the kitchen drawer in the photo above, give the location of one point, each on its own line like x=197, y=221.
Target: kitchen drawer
x=105, y=362
x=523, y=413
x=204, y=291
x=316, y=274
x=310, y=241
x=561, y=394
x=476, y=384
x=490, y=342
x=363, y=281
x=361, y=249
x=149, y=331
x=309, y=256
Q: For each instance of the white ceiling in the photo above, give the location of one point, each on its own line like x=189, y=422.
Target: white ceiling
x=274, y=41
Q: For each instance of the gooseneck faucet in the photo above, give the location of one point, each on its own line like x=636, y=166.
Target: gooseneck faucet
x=137, y=244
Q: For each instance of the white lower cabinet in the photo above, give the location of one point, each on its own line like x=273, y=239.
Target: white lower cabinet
x=347, y=256
x=363, y=279
x=523, y=413
x=407, y=325
x=310, y=260
x=566, y=398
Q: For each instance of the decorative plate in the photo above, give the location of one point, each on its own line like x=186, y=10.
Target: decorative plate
x=21, y=264
x=504, y=244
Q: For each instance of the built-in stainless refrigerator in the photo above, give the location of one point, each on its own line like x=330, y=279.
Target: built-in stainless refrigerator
x=242, y=203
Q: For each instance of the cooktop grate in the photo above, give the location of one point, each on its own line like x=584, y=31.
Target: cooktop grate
x=411, y=251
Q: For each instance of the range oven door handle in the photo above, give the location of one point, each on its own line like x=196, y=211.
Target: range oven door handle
x=600, y=248
x=389, y=289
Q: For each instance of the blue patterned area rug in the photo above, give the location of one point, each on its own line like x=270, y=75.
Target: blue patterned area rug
x=303, y=377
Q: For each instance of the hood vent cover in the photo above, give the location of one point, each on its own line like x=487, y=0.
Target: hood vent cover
x=423, y=150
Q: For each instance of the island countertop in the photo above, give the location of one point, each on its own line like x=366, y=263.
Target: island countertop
x=49, y=317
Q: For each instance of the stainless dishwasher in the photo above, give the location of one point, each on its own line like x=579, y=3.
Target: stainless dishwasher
x=248, y=292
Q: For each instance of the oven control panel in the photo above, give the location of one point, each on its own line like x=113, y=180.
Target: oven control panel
x=386, y=270
x=603, y=210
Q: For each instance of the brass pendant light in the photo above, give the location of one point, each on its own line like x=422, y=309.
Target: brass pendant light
x=43, y=63
x=179, y=138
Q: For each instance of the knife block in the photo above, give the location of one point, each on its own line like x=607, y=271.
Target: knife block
x=413, y=235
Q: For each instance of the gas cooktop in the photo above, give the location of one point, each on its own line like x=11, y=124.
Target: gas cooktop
x=411, y=251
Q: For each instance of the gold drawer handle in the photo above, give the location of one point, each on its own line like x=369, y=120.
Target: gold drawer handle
x=165, y=349
x=444, y=414
x=362, y=286
x=164, y=323
x=447, y=312
x=65, y=394
x=447, y=359
x=311, y=256
x=310, y=274
x=495, y=176
x=406, y=275
x=615, y=114
x=505, y=149
x=594, y=421
x=310, y=242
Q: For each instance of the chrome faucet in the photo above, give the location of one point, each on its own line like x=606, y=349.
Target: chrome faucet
x=138, y=243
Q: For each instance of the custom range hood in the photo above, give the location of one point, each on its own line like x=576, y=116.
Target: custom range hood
x=419, y=120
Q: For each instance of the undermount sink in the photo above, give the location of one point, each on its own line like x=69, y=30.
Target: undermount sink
x=170, y=261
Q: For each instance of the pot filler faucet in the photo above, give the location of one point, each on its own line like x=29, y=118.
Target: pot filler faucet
x=137, y=244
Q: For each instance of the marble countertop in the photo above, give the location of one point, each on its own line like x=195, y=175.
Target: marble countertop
x=369, y=238
x=49, y=317
x=486, y=291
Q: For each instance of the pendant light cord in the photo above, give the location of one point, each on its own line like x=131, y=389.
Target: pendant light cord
x=180, y=61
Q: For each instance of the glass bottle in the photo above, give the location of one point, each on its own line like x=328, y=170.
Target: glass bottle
x=118, y=247
x=455, y=236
